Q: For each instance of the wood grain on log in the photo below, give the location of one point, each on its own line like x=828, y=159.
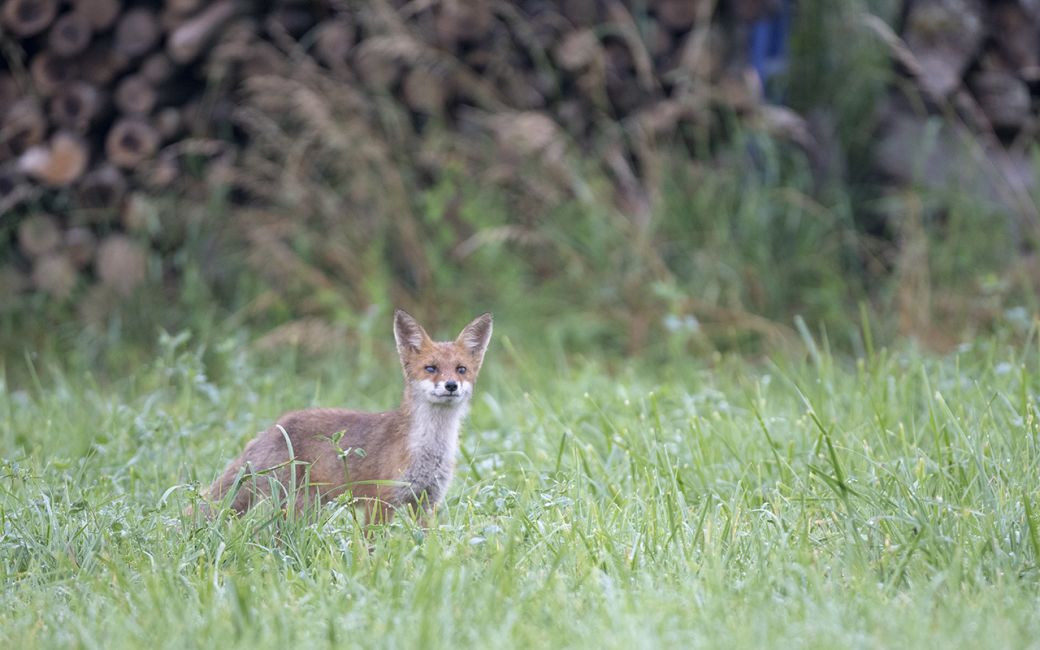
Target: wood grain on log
x=26, y=18
x=70, y=34
x=137, y=32
x=134, y=95
x=75, y=106
x=187, y=41
x=131, y=141
x=59, y=163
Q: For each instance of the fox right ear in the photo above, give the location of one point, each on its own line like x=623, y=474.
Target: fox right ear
x=408, y=333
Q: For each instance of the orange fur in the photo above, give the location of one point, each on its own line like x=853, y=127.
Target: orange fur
x=399, y=458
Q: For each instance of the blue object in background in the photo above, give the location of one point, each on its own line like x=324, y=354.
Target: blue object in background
x=767, y=47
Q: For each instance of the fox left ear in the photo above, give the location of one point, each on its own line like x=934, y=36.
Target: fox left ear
x=476, y=336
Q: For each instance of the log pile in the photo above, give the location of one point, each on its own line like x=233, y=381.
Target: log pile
x=104, y=103
x=967, y=118
x=107, y=103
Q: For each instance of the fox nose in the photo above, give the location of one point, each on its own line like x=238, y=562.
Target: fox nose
x=451, y=386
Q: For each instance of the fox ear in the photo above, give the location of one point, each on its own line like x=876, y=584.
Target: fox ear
x=408, y=333
x=476, y=336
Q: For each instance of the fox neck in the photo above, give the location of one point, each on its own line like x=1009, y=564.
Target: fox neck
x=432, y=430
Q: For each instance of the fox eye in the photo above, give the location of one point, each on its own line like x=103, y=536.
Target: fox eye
x=431, y=369
x=461, y=370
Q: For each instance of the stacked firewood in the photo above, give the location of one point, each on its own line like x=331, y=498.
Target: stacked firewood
x=93, y=93
x=105, y=103
x=965, y=113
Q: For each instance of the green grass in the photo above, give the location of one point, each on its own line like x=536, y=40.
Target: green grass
x=804, y=500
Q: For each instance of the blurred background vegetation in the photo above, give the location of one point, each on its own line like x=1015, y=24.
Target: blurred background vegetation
x=620, y=178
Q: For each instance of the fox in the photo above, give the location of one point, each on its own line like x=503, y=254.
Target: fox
x=403, y=459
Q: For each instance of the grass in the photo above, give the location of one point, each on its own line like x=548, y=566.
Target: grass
x=805, y=500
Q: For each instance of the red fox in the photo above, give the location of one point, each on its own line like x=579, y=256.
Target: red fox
x=403, y=458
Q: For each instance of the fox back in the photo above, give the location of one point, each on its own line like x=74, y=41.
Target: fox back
x=404, y=458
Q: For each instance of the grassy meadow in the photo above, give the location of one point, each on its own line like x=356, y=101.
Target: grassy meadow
x=784, y=409
x=799, y=499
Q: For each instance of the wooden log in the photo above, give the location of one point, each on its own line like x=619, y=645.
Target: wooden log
x=70, y=34
x=49, y=72
x=134, y=95
x=76, y=105
x=157, y=68
x=1002, y=96
x=23, y=126
x=137, y=33
x=54, y=274
x=25, y=18
x=333, y=42
x=187, y=41
x=131, y=141
x=944, y=36
x=38, y=235
x=79, y=244
x=102, y=187
x=102, y=14
x=102, y=63
x=59, y=163
x=121, y=264
x=1018, y=36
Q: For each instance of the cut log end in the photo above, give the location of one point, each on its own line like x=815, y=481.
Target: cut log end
x=130, y=142
x=76, y=105
x=70, y=34
x=26, y=18
x=59, y=163
x=135, y=95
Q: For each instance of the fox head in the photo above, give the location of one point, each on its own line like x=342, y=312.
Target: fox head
x=441, y=372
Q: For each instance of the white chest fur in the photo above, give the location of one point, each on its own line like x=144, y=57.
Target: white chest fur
x=433, y=442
